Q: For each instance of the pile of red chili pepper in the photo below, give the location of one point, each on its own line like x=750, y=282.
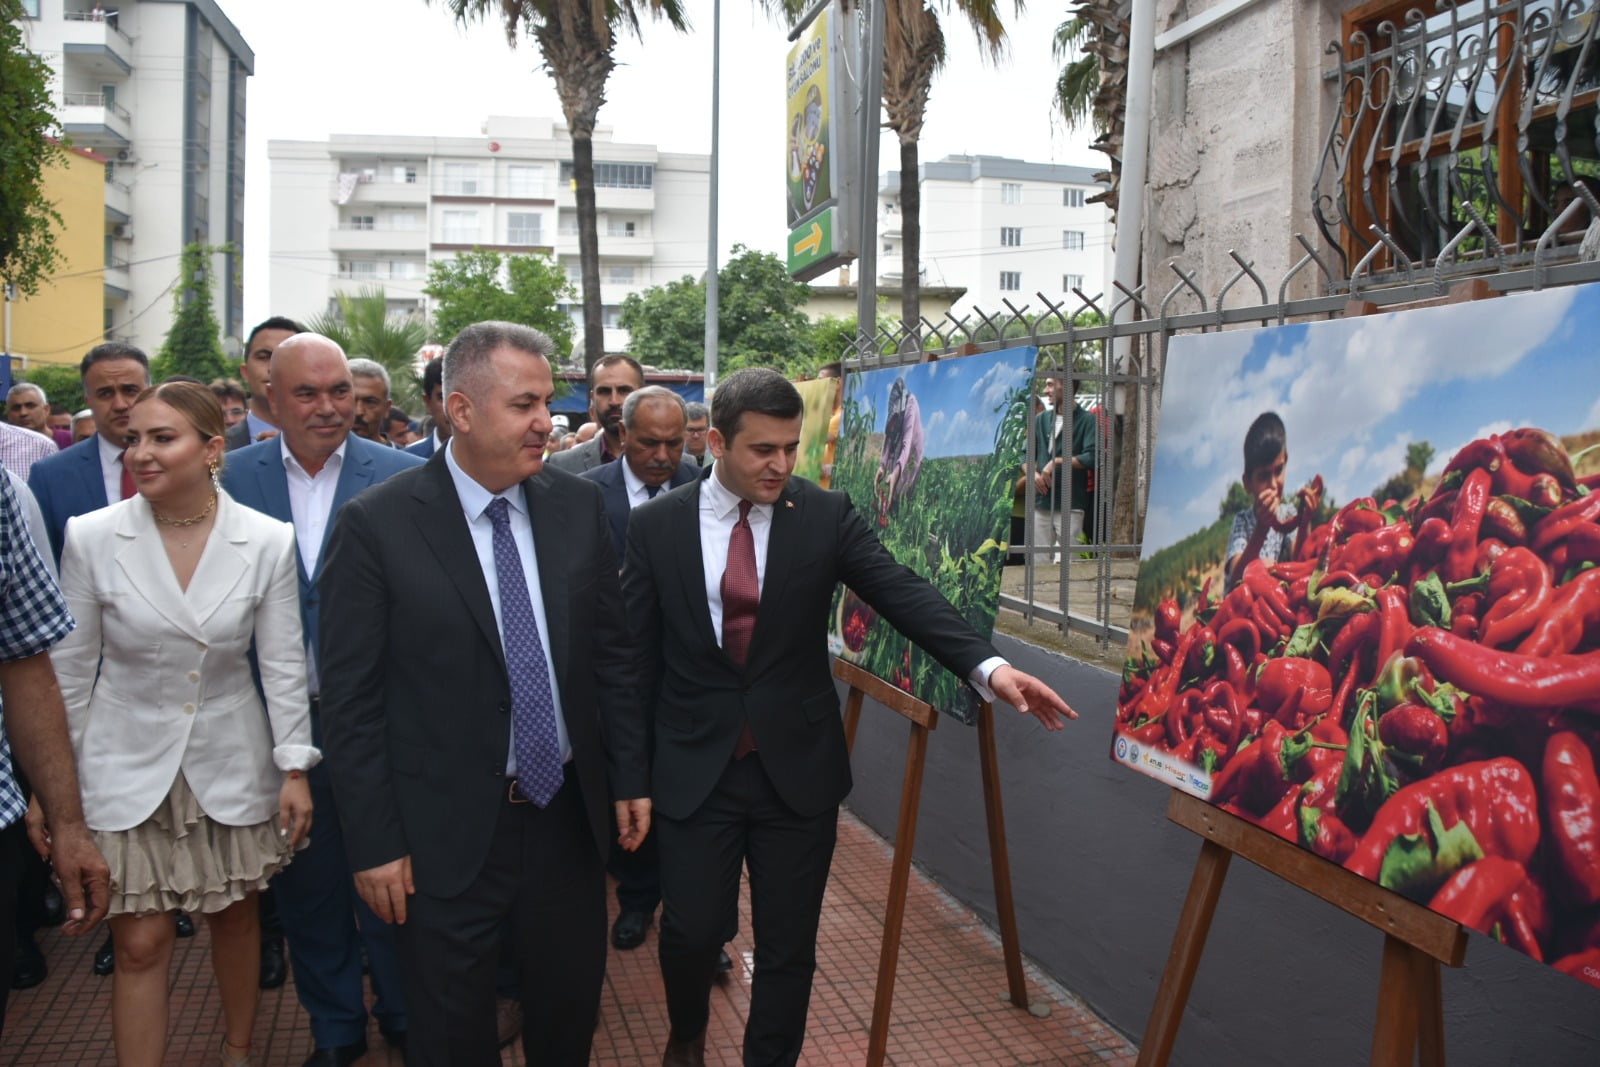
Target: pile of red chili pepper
x=1415, y=695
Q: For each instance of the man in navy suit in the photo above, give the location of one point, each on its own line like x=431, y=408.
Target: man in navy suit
x=304, y=477
x=652, y=461
x=89, y=475
x=433, y=400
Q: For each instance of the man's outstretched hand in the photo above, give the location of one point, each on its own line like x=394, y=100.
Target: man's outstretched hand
x=1027, y=693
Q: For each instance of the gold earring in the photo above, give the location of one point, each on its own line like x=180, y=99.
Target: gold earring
x=216, y=476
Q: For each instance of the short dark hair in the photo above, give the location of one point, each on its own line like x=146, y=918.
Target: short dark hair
x=831, y=370
x=612, y=361
x=277, y=322
x=466, y=361
x=433, y=375
x=758, y=390
x=57, y=409
x=396, y=415
x=1263, y=442
x=223, y=388
x=114, y=350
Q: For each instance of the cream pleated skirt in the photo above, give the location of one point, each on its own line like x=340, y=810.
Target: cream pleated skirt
x=180, y=858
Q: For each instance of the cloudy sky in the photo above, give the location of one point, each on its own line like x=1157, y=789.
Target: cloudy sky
x=403, y=66
x=959, y=399
x=1354, y=393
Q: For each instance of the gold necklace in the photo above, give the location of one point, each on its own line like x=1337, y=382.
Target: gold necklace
x=191, y=520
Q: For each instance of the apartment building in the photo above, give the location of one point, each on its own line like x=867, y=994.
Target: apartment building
x=155, y=88
x=360, y=210
x=1002, y=229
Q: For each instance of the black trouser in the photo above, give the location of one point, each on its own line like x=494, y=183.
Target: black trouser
x=744, y=822
x=13, y=840
x=638, y=876
x=544, y=873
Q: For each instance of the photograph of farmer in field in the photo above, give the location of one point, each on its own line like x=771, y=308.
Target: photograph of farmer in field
x=1396, y=666
x=928, y=454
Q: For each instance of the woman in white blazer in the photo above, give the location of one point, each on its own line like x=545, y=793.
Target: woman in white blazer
x=196, y=793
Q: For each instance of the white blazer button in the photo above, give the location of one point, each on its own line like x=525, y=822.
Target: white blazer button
x=200, y=646
x=188, y=709
x=194, y=676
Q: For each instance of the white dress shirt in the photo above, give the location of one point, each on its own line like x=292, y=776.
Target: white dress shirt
x=719, y=511
x=475, y=501
x=311, y=508
x=110, y=467
x=637, y=491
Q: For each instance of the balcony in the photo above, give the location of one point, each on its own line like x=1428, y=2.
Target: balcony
x=625, y=246
x=96, y=46
x=609, y=198
x=95, y=122
x=116, y=277
x=356, y=189
x=377, y=239
x=119, y=203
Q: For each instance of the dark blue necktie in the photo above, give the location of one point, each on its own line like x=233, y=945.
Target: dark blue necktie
x=651, y=491
x=533, y=707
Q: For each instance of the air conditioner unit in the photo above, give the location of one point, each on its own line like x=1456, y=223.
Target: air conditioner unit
x=124, y=231
x=124, y=155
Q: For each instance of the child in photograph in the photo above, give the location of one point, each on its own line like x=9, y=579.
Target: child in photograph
x=1262, y=530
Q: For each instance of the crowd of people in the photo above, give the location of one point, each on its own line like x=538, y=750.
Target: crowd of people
x=396, y=696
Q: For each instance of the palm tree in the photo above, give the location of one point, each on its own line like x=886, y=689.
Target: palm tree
x=913, y=51
x=1080, y=73
x=576, y=39
x=363, y=325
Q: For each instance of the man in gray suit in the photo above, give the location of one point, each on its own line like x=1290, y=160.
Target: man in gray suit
x=610, y=381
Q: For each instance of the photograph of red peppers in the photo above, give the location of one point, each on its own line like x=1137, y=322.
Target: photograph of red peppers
x=1412, y=692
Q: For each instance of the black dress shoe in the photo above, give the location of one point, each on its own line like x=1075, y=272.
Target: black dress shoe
x=338, y=1055
x=105, y=958
x=274, y=971
x=28, y=970
x=724, y=964
x=184, y=923
x=628, y=932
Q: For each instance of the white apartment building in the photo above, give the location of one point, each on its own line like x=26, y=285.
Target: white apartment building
x=359, y=210
x=157, y=87
x=1003, y=229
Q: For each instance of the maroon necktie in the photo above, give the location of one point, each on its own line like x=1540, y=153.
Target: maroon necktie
x=741, y=596
x=127, y=477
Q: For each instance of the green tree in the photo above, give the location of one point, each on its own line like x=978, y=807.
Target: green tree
x=28, y=222
x=362, y=324
x=759, y=321
x=480, y=285
x=1080, y=74
x=1237, y=500
x=60, y=382
x=831, y=338
x=193, y=344
x=577, y=41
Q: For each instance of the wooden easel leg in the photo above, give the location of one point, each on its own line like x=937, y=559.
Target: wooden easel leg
x=852, y=718
x=1000, y=864
x=1430, y=1009
x=1190, y=940
x=1394, y=1037
x=899, y=882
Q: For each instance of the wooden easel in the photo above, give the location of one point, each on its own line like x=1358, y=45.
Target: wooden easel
x=1416, y=941
x=923, y=720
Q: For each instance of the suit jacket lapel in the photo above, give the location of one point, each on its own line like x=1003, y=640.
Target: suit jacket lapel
x=355, y=474
x=222, y=565
x=94, y=479
x=783, y=544
x=692, y=568
x=273, y=481
x=145, y=567
x=548, y=556
x=443, y=526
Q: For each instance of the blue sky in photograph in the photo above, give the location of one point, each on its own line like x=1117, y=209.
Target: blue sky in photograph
x=1353, y=393
x=960, y=399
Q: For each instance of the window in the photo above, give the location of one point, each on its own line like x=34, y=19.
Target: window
x=619, y=229
x=524, y=181
x=522, y=228
x=1011, y=280
x=1011, y=236
x=403, y=175
x=575, y=273
x=460, y=227
x=1072, y=240
x=359, y=222
x=1072, y=198
x=1011, y=192
x=461, y=179
x=359, y=268
x=30, y=9
x=888, y=246
x=403, y=220
x=617, y=175
x=1069, y=282
x=612, y=315
x=619, y=275
x=405, y=269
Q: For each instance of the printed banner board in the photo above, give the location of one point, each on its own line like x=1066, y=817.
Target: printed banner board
x=818, y=430
x=1367, y=616
x=929, y=455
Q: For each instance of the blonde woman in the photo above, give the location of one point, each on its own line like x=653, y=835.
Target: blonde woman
x=195, y=791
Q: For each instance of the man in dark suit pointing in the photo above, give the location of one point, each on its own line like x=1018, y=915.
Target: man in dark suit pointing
x=472, y=757
x=728, y=582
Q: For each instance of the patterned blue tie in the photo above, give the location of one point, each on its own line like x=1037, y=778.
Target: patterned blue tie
x=533, y=707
